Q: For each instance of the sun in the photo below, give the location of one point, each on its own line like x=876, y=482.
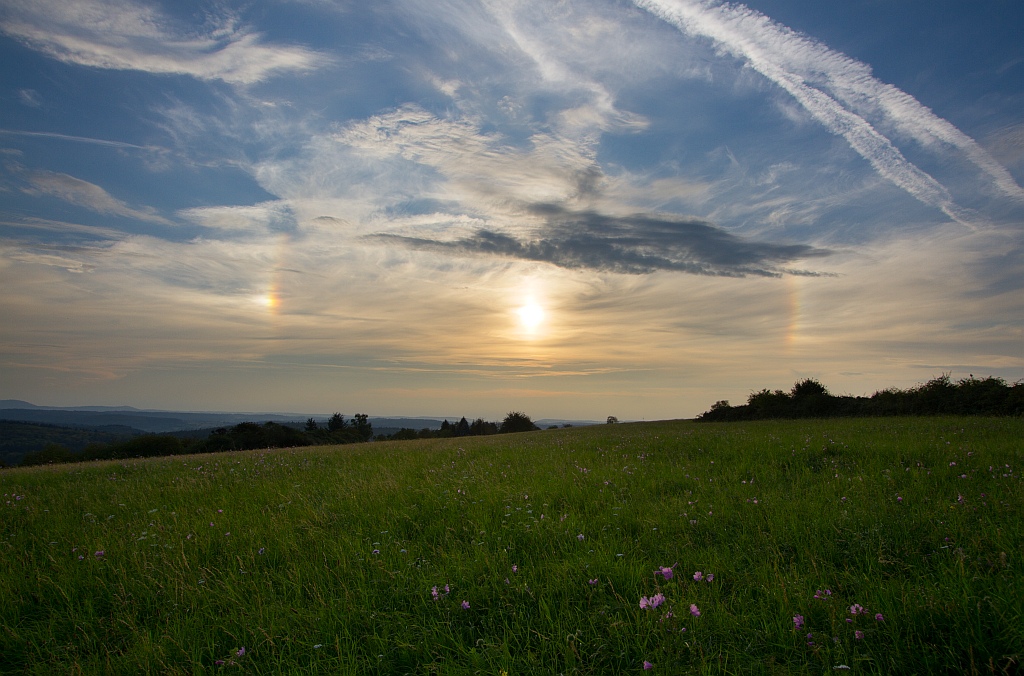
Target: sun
x=531, y=316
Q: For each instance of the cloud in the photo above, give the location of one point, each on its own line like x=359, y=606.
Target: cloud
x=85, y=194
x=840, y=93
x=636, y=244
x=256, y=218
x=30, y=97
x=123, y=35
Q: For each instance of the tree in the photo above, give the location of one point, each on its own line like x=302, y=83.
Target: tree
x=516, y=421
x=612, y=420
x=362, y=427
x=462, y=429
x=336, y=423
x=311, y=425
x=808, y=387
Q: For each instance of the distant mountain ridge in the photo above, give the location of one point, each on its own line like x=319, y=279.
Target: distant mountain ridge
x=156, y=421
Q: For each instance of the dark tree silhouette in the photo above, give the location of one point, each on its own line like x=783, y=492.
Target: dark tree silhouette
x=516, y=421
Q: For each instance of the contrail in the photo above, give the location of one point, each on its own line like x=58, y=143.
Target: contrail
x=81, y=139
x=806, y=69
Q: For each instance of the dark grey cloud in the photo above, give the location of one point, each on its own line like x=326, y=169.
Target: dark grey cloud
x=637, y=244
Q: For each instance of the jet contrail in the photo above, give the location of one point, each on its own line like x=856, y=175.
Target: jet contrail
x=81, y=139
x=832, y=87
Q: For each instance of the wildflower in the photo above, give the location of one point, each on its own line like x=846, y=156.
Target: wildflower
x=798, y=620
x=433, y=592
x=515, y=568
x=879, y=617
x=376, y=551
x=710, y=577
x=857, y=609
x=100, y=553
x=694, y=610
x=657, y=600
x=262, y=549
x=465, y=605
x=899, y=498
x=241, y=651
x=665, y=572
x=580, y=537
x=648, y=666
x=858, y=634
x=447, y=589
x=698, y=576
x=80, y=557
x=594, y=581
x=218, y=663
x=645, y=602
x=318, y=646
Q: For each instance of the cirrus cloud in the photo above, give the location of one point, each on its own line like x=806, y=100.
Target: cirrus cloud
x=118, y=35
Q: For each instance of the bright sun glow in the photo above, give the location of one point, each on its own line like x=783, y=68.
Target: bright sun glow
x=531, y=316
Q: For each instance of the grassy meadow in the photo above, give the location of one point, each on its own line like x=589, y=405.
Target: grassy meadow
x=891, y=546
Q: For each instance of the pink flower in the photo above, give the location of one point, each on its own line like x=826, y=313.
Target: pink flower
x=857, y=609
x=694, y=610
x=698, y=576
x=798, y=620
x=594, y=581
x=433, y=592
x=241, y=651
x=710, y=577
x=100, y=553
x=879, y=617
x=648, y=666
x=580, y=537
x=465, y=605
x=515, y=568
x=665, y=572
x=657, y=600
x=645, y=602
x=858, y=634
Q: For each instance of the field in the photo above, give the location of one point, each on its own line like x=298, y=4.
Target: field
x=890, y=546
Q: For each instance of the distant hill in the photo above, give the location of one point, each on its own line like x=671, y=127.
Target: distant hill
x=19, y=438
x=15, y=403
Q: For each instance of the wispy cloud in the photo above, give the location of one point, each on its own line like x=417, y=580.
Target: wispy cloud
x=85, y=194
x=256, y=218
x=637, y=244
x=124, y=35
x=840, y=93
x=82, y=139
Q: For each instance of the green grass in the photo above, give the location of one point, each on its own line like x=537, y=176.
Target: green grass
x=333, y=551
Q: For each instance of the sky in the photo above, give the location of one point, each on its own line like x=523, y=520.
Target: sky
x=571, y=208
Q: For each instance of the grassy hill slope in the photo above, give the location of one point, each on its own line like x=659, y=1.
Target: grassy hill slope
x=573, y=551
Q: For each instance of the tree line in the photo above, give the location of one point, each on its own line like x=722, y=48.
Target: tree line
x=515, y=421
x=939, y=396
x=250, y=436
